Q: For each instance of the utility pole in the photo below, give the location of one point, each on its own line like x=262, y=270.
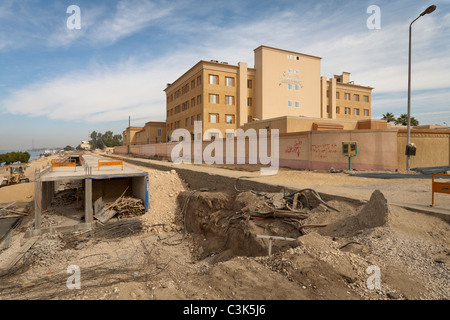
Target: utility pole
x=129, y=134
x=429, y=10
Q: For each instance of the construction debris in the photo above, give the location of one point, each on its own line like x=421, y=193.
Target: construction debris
x=127, y=207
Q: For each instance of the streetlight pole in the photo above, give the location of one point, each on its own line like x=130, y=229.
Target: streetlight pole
x=428, y=10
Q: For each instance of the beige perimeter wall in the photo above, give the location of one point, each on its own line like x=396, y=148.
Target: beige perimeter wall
x=321, y=150
x=432, y=148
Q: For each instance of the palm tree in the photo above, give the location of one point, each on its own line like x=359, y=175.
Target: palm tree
x=389, y=117
x=403, y=120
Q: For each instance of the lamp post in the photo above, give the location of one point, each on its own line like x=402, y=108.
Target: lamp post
x=428, y=10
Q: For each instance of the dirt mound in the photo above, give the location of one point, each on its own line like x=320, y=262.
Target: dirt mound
x=375, y=213
x=164, y=187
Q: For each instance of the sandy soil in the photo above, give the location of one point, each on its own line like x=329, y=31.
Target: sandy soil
x=203, y=246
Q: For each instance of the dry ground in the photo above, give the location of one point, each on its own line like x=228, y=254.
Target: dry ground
x=201, y=246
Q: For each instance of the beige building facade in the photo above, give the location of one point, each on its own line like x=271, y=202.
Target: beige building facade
x=152, y=132
x=281, y=84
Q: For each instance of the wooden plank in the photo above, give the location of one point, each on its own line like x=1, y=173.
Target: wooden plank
x=105, y=215
x=7, y=265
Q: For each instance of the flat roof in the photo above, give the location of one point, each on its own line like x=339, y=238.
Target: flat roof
x=287, y=51
x=198, y=65
x=91, y=162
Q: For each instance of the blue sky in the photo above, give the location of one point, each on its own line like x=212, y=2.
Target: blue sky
x=57, y=85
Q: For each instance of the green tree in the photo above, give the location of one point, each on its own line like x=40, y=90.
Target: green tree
x=389, y=117
x=108, y=139
x=68, y=148
x=403, y=120
x=13, y=157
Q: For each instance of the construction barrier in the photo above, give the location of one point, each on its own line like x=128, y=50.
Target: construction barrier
x=439, y=187
x=58, y=163
x=109, y=163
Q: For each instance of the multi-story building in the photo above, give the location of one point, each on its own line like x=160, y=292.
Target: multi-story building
x=216, y=93
x=282, y=84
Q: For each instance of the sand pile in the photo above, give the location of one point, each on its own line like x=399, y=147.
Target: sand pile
x=163, y=188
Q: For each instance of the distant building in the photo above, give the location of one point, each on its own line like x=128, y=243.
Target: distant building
x=282, y=84
x=85, y=145
x=129, y=135
x=152, y=132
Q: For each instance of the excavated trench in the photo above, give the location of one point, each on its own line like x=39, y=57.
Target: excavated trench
x=225, y=224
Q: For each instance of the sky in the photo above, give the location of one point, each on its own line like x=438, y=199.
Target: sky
x=58, y=84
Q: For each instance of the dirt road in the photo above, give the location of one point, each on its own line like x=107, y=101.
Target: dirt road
x=204, y=245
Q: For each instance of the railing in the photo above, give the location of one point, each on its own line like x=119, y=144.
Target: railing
x=439, y=187
x=109, y=163
x=58, y=163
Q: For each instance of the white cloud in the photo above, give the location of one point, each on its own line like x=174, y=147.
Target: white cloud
x=91, y=96
x=376, y=58
x=130, y=16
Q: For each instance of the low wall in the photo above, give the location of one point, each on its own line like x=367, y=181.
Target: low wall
x=432, y=148
x=315, y=150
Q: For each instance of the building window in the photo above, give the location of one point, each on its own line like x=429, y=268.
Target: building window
x=230, y=135
x=297, y=87
x=187, y=122
x=199, y=99
x=229, y=82
x=249, y=102
x=199, y=80
x=192, y=84
x=337, y=95
x=289, y=56
x=366, y=98
x=356, y=97
x=289, y=70
x=347, y=96
x=296, y=71
x=347, y=110
x=159, y=132
x=230, y=119
x=213, y=79
x=213, y=98
x=289, y=86
x=289, y=103
x=366, y=112
x=213, y=118
x=297, y=104
x=193, y=102
x=338, y=110
x=229, y=100
x=356, y=112
x=249, y=84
